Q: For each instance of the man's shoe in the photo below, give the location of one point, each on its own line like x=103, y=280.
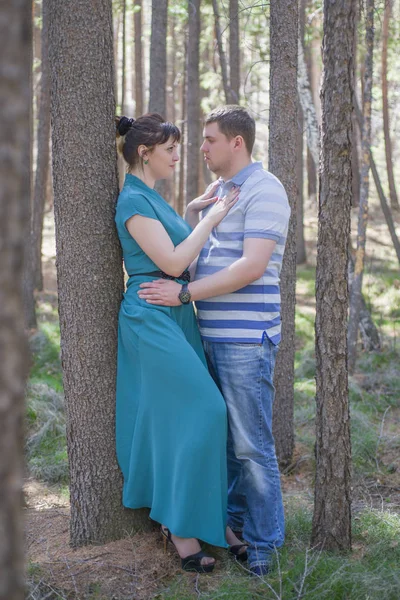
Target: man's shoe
x=260, y=570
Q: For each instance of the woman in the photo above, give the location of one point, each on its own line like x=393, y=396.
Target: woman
x=171, y=418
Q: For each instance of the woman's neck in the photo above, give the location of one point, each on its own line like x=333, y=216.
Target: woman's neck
x=143, y=176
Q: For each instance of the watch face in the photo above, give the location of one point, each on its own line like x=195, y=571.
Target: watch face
x=185, y=297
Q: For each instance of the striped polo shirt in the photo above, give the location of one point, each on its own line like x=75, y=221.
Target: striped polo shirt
x=252, y=312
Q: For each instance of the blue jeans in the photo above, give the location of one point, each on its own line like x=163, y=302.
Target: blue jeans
x=244, y=373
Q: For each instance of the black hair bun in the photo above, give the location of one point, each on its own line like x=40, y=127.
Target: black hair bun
x=124, y=125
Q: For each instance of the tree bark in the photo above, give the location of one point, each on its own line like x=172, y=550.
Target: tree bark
x=355, y=153
x=43, y=154
x=283, y=126
x=307, y=104
x=356, y=290
x=123, y=74
x=89, y=265
x=158, y=56
x=234, y=51
x=222, y=57
x=369, y=333
x=394, y=202
x=139, y=102
x=331, y=529
x=15, y=102
x=193, y=102
x=300, y=242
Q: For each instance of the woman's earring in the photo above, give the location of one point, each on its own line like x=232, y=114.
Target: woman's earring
x=145, y=162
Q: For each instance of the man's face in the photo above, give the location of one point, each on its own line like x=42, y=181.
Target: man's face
x=217, y=149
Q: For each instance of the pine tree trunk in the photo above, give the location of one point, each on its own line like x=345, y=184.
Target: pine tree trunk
x=283, y=126
x=356, y=290
x=355, y=153
x=43, y=154
x=15, y=100
x=222, y=57
x=193, y=101
x=234, y=51
x=89, y=266
x=158, y=56
x=123, y=74
x=300, y=242
x=301, y=256
x=394, y=202
x=139, y=88
x=332, y=511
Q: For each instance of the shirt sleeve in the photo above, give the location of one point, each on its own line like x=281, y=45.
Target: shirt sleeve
x=129, y=205
x=267, y=212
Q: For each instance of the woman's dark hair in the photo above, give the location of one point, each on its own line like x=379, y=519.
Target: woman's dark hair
x=149, y=130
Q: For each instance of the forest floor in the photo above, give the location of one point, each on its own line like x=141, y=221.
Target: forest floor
x=136, y=567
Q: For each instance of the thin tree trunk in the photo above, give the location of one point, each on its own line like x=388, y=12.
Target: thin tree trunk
x=300, y=242
x=43, y=154
x=355, y=154
x=394, y=202
x=15, y=102
x=369, y=332
x=356, y=290
x=193, y=101
x=139, y=88
x=331, y=529
x=307, y=104
x=384, y=203
x=283, y=126
x=222, y=57
x=89, y=265
x=181, y=189
x=234, y=51
x=158, y=57
x=301, y=256
x=123, y=74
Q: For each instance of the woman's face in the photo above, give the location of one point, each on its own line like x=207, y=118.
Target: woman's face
x=163, y=159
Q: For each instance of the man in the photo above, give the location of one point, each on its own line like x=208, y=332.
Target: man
x=237, y=295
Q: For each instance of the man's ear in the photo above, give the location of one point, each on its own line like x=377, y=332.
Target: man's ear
x=238, y=142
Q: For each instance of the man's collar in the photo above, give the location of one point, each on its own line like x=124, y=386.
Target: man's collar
x=244, y=173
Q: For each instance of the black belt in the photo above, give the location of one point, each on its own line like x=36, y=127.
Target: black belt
x=185, y=276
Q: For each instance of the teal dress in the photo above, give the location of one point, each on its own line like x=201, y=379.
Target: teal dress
x=171, y=422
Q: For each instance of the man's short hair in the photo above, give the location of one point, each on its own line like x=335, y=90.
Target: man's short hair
x=234, y=120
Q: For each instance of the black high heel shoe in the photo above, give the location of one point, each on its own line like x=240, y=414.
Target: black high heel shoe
x=235, y=551
x=191, y=562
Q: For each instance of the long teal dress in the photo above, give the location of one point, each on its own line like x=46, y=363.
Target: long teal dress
x=171, y=422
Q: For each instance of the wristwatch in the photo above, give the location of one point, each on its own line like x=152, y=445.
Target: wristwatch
x=184, y=295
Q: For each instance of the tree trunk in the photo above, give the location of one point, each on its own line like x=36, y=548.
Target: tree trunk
x=300, y=242
x=355, y=153
x=384, y=204
x=193, y=101
x=222, y=57
x=307, y=104
x=123, y=74
x=158, y=66
x=158, y=56
x=301, y=256
x=356, y=290
x=283, y=127
x=369, y=333
x=43, y=154
x=331, y=528
x=89, y=265
x=394, y=202
x=15, y=100
x=234, y=51
x=139, y=88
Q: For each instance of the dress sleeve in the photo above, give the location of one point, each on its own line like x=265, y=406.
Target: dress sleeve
x=129, y=205
x=267, y=213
